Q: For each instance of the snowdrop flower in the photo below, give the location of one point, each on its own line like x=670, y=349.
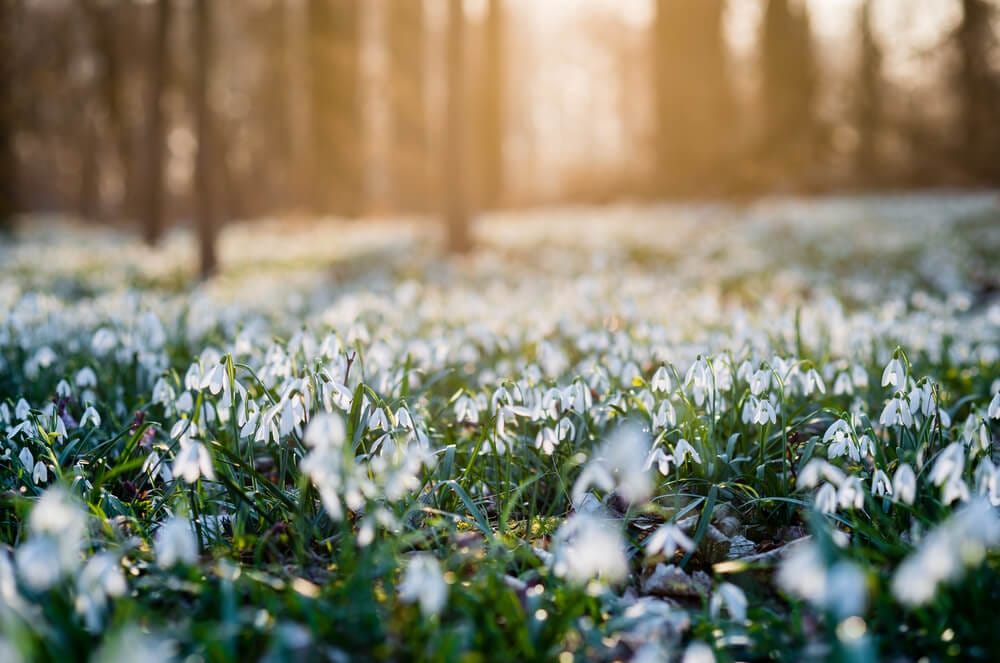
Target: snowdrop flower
x=839, y=438
x=661, y=459
x=993, y=412
x=826, y=499
x=896, y=413
x=90, y=416
x=326, y=430
x=682, y=450
x=661, y=381
x=760, y=382
x=698, y=652
x=665, y=416
x=894, y=373
x=154, y=465
x=881, y=484
x=988, y=481
x=22, y=409
x=424, y=582
x=950, y=464
x=732, y=598
x=840, y=589
x=546, y=440
x=842, y=385
x=175, y=543
x=58, y=528
x=959, y=541
x=667, y=539
x=566, y=429
x=813, y=381
x=619, y=463
x=765, y=413
x=466, y=410
x=904, y=484
x=587, y=547
x=953, y=490
x=132, y=645
x=817, y=467
x=192, y=461
x=851, y=494
x=85, y=378
x=101, y=579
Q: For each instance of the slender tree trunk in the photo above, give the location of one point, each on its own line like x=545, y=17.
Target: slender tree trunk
x=867, y=164
x=8, y=163
x=335, y=82
x=978, y=90
x=408, y=99
x=153, y=212
x=694, y=102
x=456, y=212
x=206, y=205
x=102, y=19
x=493, y=85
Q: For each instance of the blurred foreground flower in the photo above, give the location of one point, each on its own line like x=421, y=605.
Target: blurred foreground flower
x=423, y=582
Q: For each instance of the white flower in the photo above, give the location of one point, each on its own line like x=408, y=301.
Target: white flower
x=851, y=494
x=765, y=413
x=894, y=373
x=993, y=412
x=546, y=440
x=734, y=600
x=817, y=467
x=881, y=484
x=904, y=484
x=839, y=437
x=662, y=460
x=826, y=499
x=619, y=463
x=682, y=450
x=192, y=461
x=85, y=378
x=661, y=380
x=58, y=528
x=326, y=430
x=843, y=385
x=949, y=465
x=154, y=464
x=587, y=547
x=90, y=416
x=698, y=652
x=813, y=381
x=988, y=481
x=896, y=413
x=101, y=578
x=175, y=543
x=667, y=539
x=760, y=382
x=424, y=582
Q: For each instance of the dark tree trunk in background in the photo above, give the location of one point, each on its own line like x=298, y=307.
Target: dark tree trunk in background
x=694, y=102
x=206, y=208
x=492, y=123
x=977, y=84
x=159, y=63
x=867, y=158
x=103, y=25
x=335, y=105
x=8, y=174
x=791, y=141
x=408, y=105
x=453, y=180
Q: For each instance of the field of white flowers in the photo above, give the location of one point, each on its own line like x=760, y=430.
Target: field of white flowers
x=677, y=434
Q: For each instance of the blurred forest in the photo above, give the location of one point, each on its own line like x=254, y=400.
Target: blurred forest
x=150, y=113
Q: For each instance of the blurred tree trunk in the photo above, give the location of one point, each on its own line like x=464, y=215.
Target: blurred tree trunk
x=867, y=161
x=456, y=212
x=978, y=88
x=103, y=26
x=8, y=164
x=159, y=62
x=789, y=148
x=206, y=166
x=694, y=100
x=492, y=123
x=408, y=104
x=89, y=201
x=335, y=90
